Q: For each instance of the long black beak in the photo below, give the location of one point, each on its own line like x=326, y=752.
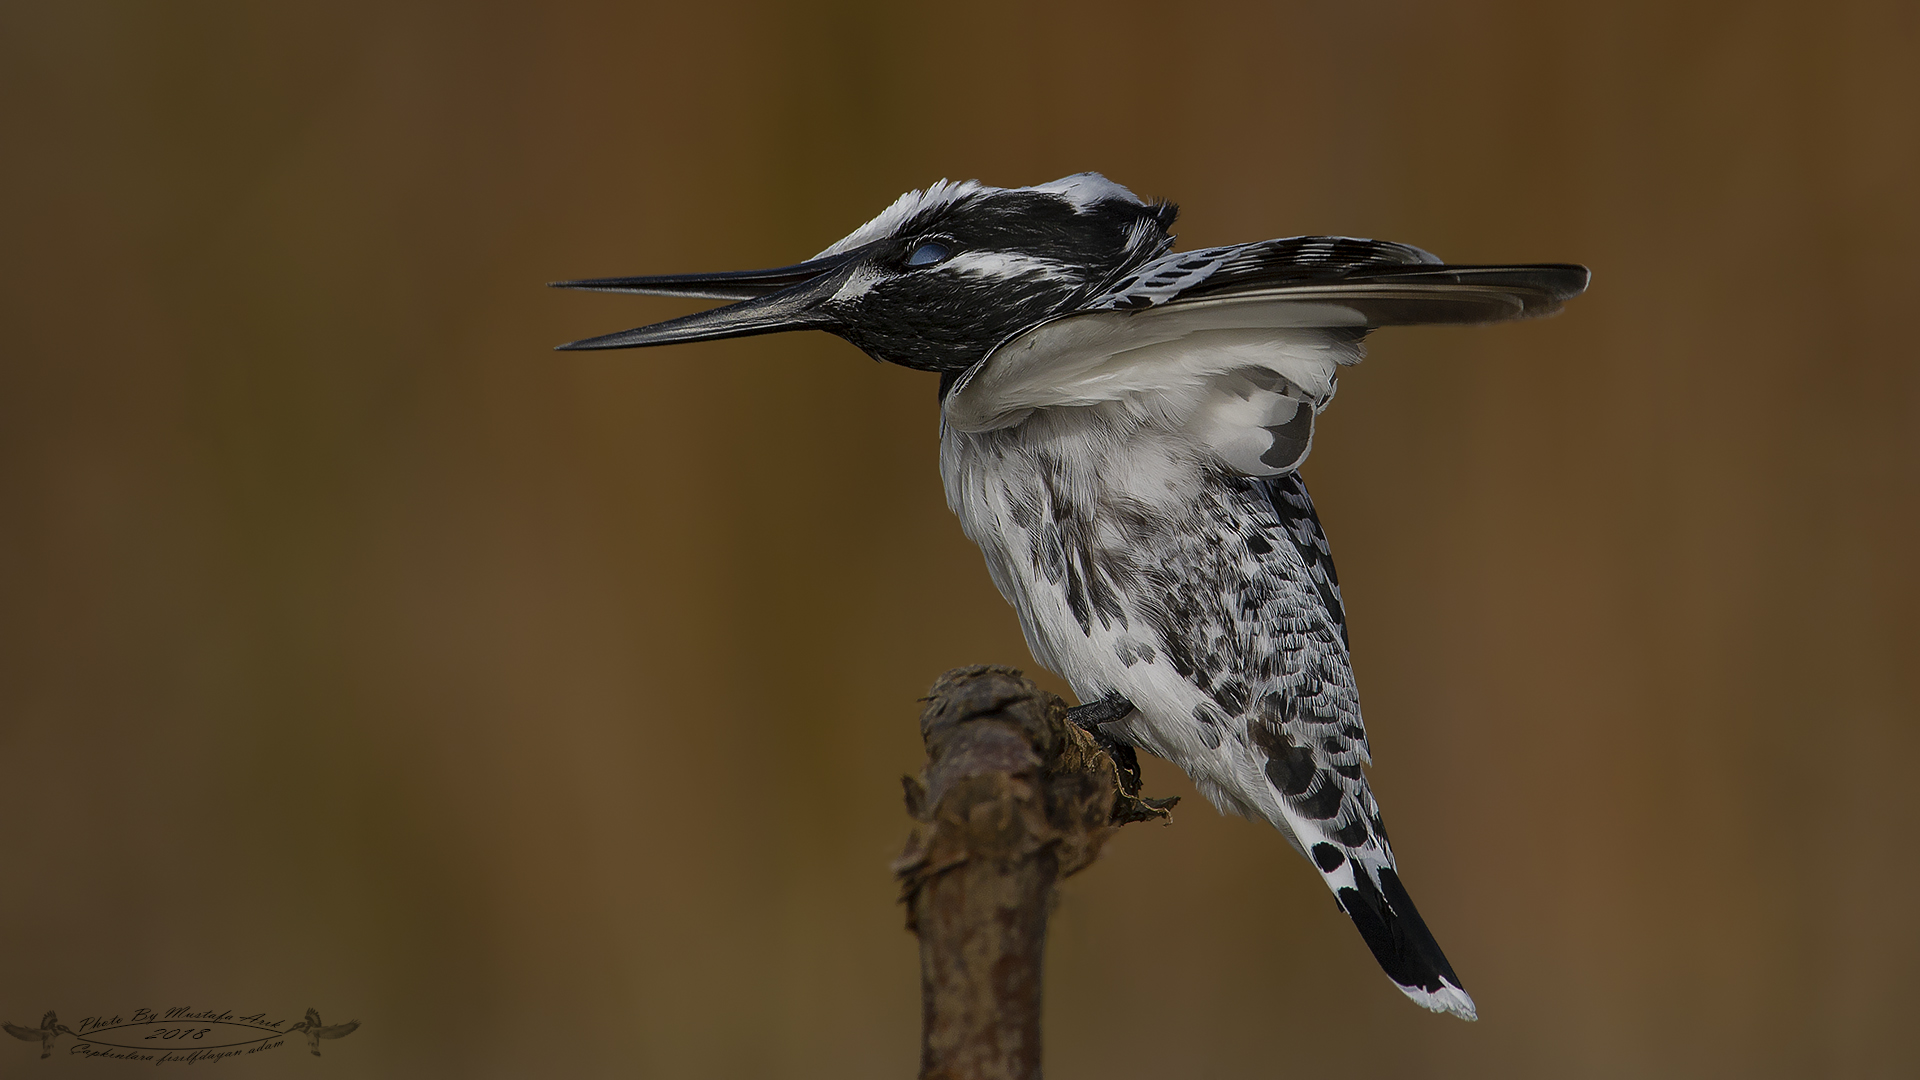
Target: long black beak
x=768, y=301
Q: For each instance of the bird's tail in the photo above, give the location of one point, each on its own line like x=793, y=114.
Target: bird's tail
x=1400, y=940
x=1356, y=861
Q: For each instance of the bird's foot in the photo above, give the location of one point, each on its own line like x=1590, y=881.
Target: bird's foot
x=1094, y=718
x=1094, y=713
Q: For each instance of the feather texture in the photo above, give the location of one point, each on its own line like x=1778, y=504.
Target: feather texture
x=1122, y=427
x=1141, y=566
x=1130, y=469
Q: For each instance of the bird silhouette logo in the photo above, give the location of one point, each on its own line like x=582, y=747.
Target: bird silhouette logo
x=314, y=1030
x=50, y=1028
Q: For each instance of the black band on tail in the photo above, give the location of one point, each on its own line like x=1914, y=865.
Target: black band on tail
x=1395, y=932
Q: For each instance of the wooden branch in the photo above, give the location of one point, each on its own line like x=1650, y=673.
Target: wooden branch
x=1014, y=797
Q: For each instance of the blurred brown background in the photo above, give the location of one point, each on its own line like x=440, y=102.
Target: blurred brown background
x=546, y=711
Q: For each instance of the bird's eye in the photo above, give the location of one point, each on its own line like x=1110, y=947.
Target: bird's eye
x=927, y=254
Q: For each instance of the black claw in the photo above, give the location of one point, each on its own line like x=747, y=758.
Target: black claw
x=1125, y=762
x=1093, y=718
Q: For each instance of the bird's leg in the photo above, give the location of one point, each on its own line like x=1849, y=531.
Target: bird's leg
x=1094, y=713
x=1092, y=718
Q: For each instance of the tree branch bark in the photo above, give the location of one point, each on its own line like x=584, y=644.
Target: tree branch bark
x=1013, y=798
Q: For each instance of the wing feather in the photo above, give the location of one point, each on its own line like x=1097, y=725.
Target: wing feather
x=1240, y=346
x=337, y=1031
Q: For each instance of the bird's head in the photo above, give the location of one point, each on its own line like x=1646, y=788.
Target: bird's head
x=935, y=281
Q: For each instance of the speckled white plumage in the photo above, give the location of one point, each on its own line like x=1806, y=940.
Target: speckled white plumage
x=1127, y=477
x=1122, y=427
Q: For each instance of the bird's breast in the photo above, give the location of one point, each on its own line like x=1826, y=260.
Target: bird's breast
x=1068, y=507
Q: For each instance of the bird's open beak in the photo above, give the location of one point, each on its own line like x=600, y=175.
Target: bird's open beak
x=767, y=301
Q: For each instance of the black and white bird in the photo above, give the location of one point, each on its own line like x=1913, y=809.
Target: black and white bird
x=315, y=1030
x=1121, y=431
x=50, y=1029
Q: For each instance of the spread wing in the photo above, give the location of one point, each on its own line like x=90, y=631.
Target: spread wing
x=1240, y=346
x=1371, y=283
x=1295, y=259
x=337, y=1031
x=18, y=1032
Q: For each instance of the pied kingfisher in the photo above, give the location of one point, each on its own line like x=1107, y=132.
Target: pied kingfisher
x=1121, y=431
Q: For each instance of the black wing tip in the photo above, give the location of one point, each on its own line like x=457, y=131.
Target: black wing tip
x=1402, y=944
x=1581, y=276
x=1558, y=282
x=1401, y=293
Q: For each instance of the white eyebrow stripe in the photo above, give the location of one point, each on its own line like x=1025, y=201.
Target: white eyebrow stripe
x=1082, y=191
x=1004, y=264
x=944, y=193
